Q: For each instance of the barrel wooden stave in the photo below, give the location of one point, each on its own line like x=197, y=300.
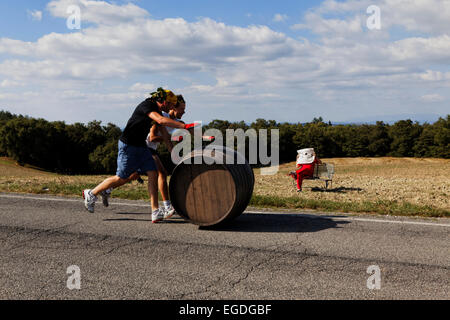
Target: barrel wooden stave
x=210, y=195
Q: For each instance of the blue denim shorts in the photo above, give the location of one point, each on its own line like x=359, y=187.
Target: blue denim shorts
x=131, y=159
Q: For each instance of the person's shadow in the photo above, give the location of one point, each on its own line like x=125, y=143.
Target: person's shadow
x=277, y=222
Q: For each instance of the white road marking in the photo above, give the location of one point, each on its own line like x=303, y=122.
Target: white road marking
x=398, y=222
x=70, y=200
x=250, y=211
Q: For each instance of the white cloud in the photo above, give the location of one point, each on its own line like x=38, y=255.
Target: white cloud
x=278, y=17
x=8, y=84
x=430, y=16
x=433, y=75
x=319, y=25
x=339, y=7
x=433, y=49
x=432, y=98
x=100, y=12
x=150, y=46
x=35, y=15
x=143, y=87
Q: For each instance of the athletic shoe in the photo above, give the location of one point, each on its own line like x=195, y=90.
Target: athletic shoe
x=168, y=212
x=105, y=196
x=89, y=200
x=293, y=174
x=157, y=215
x=299, y=190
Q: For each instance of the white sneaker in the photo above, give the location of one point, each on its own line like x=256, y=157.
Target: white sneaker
x=157, y=215
x=105, y=196
x=168, y=212
x=89, y=200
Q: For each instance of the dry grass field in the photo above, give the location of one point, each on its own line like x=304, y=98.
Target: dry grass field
x=14, y=178
x=412, y=180
x=398, y=186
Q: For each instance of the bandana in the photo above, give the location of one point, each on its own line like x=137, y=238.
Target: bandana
x=164, y=95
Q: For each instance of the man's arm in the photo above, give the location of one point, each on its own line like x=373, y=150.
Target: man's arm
x=164, y=121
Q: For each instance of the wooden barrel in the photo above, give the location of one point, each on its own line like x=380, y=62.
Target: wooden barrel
x=211, y=194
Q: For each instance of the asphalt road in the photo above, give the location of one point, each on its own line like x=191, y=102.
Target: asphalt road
x=262, y=255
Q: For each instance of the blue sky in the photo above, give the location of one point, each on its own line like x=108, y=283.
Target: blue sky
x=235, y=60
x=15, y=21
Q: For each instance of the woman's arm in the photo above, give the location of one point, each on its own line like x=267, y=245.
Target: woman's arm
x=166, y=138
x=154, y=137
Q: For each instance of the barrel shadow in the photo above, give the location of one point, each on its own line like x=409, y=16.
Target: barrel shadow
x=281, y=223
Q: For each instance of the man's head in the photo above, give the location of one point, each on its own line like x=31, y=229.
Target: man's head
x=166, y=99
x=180, y=107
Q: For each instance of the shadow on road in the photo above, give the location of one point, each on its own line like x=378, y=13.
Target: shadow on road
x=254, y=222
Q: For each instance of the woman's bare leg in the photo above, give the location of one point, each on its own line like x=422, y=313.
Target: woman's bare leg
x=153, y=189
x=162, y=179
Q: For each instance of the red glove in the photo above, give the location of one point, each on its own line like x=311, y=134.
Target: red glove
x=177, y=139
x=191, y=125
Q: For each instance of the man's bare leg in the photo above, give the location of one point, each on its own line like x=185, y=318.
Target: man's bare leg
x=111, y=182
x=90, y=196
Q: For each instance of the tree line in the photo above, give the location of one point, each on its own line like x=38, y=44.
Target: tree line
x=92, y=148
x=57, y=146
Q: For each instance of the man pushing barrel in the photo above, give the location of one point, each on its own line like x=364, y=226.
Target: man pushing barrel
x=133, y=153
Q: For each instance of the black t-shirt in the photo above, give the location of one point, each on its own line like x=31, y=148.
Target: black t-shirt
x=138, y=127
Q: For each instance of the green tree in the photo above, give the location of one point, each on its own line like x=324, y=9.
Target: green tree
x=379, y=140
x=104, y=158
x=404, y=134
x=315, y=135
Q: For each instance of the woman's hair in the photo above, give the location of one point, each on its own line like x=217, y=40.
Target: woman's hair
x=180, y=100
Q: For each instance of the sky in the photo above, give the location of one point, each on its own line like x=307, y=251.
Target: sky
x=289, y=61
